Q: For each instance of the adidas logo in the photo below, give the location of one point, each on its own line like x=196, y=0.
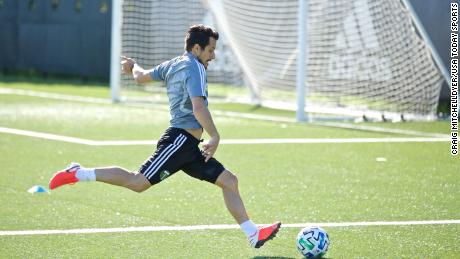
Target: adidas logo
x=357, y=54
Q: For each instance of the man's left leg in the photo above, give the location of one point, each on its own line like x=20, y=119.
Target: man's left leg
x=257, y=236
x=229, y=184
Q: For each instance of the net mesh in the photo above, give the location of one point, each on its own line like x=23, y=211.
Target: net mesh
x=363, y=56
x=154, y=31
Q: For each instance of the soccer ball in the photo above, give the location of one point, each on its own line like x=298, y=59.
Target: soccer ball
x=312, y=242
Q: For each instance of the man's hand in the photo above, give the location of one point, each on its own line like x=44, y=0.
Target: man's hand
x=210, y=148
x=127, y=65
x=203, y=116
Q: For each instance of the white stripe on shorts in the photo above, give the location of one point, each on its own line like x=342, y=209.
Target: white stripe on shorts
x=164, y=156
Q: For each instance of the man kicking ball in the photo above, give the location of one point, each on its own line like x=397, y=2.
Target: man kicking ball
x=186, y=82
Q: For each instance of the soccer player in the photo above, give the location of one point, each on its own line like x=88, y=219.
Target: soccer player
x=186, y=83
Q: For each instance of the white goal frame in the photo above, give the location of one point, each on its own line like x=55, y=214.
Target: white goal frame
x=302, y=113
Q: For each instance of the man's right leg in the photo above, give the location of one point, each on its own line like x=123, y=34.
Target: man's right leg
x=122, y=177
x=111, y=175
x=164, y=162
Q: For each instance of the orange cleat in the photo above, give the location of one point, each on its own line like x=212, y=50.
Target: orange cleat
x=66, y=176
x=264, y=234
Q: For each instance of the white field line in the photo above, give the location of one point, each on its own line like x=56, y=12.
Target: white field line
x=241, y=115
x=271, y=118
x=47, y=136
x=224, y=141
x=332, y=140
x=216, y=227
x=380, y=129
x=65, y=97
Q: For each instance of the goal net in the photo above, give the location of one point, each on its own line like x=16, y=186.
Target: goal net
x=363, y=57
x=154, y=31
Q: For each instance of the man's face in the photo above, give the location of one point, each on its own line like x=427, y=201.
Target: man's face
x=207, y=54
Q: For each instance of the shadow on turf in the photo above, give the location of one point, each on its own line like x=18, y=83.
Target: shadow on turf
x=280, y=257
x=272, y=257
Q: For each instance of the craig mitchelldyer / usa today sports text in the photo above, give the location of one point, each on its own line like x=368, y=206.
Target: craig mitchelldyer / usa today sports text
x=454, y=78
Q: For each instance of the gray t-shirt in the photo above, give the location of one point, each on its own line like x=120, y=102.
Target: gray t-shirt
x=185, y=78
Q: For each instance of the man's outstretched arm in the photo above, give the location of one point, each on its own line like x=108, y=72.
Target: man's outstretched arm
x=140, y=75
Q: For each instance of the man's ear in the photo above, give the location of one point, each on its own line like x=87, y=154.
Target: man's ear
x=197, y=49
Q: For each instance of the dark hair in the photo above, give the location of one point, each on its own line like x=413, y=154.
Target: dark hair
x=199, y=34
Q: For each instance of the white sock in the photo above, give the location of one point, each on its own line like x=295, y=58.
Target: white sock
x=249, y=228
x=86, y=174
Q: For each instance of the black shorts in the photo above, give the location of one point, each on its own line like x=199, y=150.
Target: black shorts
x=178, y=150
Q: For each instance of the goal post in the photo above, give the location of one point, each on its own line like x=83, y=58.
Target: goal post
x=364, y=58
x=302, y=44
x=358, y=59
x=115, y=50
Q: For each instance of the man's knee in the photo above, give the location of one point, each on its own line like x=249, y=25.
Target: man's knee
x=228, y=180
x=139, y=183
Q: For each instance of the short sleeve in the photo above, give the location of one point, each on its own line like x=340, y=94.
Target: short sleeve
x=196, y=80
x=159, y=72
